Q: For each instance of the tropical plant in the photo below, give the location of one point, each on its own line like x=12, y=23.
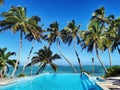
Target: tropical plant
x=116, y=34
x=1, y=2
x=107, y=23
x=43, y=57
x=54, y=37
x=71, y=33
x=32, y=38
x=113, y=71
x=5, y=60
x=110, y=35
x=94, y=38
x=16, y=20
x=21, y=75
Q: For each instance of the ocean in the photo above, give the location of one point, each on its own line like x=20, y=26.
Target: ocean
x=98, y=70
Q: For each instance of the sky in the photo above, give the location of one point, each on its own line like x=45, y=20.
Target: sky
x=61, y=11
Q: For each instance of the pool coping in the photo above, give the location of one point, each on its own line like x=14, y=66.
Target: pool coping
x=8, y=81
x=101, y=86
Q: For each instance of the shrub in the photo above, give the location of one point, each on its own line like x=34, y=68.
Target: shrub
x=86, y=72
x=113, y=71
x=21, y=75
x=5, y=76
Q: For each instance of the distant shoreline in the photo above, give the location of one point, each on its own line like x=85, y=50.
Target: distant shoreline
x=73, y=65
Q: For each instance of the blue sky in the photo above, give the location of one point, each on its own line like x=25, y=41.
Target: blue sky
x=61, y=11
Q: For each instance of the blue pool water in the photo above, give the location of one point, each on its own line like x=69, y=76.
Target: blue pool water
x=54, y=82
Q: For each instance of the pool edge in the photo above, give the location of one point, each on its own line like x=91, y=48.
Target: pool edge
x=101, y=86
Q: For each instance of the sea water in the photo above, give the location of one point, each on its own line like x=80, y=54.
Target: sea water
x=98, y=70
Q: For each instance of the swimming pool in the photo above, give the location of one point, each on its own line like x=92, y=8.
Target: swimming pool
x=54, y=82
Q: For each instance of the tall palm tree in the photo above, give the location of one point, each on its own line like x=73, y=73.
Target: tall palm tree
x=116, y=35
x=43, y=57
x=71, y=33
x=94, y=38
x=16, y=20
x=110, y=35
x=32, y=38
x=54, y=37
x=5, y=60
x=99, y=14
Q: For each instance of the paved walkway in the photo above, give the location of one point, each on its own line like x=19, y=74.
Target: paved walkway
x=5, y=81
x=113, y=83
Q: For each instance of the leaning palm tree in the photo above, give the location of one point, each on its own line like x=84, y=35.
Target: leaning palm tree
x=32, y=38
x=16, y=20
x=54, y=37
x=95, y=39
x=5, y=60
x=71, y=33
x=44, y=57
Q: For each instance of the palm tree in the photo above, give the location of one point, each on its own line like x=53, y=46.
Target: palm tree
x=5, y=60
x=71, y=33
x=16, y=20
x=32, y=38
x=110, y=35
x=116, y=34
x=99, y=14
x=43, y=57
x=1, y=2
x=54, y=37
x=94, y=38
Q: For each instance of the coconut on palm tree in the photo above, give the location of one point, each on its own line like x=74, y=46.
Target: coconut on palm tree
x=44, y=57
x=16, y=20
x=71, y=33
x=5, y=60
x=54, y=37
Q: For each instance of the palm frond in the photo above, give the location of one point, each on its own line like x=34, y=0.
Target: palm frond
x=54, y=66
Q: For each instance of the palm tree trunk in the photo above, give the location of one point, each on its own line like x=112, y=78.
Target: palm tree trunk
x=41, y=69
x=98, y=56
x=58, y=46
x=1, y=73
x=18, y=58
x=110, y=59
x=77, y=57
x=28, y=57
x=4, y=70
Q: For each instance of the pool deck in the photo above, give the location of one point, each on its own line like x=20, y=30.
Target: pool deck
x=113, y=83
x=6, y=81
